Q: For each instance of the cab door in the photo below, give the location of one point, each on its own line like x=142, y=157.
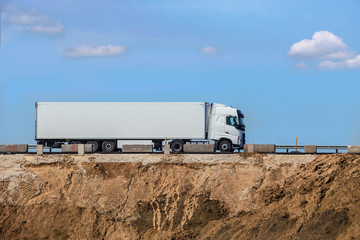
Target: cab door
x=225, y=128
x=231, y=130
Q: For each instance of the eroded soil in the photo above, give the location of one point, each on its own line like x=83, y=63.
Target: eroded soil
x=180, y=197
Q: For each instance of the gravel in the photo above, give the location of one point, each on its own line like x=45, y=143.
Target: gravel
x=267, y=160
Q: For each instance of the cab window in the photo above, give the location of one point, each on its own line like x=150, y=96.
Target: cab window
x=232, y=121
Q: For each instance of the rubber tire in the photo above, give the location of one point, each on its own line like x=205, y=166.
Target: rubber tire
x=225, y=146
x=94, y=145
x=75, y=142
x=108, y=146
x=177, y=146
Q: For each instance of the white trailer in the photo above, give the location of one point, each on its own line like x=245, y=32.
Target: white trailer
x=109, y=125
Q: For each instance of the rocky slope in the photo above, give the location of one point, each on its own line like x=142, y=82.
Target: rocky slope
x=153, y=196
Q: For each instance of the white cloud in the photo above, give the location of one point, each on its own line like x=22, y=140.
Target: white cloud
x=209, y=50
x=323, y=45
x=15, y=15
x=329, y=48
x=341, y=55
x=58, y=27
x=31, y=20
x=349, y=63
x=301, y=65
x=100, y=51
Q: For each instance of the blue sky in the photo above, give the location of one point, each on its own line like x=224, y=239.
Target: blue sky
x=292, y=67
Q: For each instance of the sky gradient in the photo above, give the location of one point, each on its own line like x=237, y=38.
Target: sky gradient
x=292, y=67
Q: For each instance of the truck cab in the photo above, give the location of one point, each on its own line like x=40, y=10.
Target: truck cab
x=226, y=128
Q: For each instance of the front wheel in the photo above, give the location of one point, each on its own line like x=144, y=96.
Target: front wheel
x=225, y=146
x=108, y=146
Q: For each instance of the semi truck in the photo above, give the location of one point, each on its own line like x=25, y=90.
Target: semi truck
x=107, y=126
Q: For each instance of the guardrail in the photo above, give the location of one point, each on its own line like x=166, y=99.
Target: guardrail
x=259, y=148
x=336, y=148
x=32, y=146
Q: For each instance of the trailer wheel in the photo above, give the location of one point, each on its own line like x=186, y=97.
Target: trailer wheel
x=94, y=145
x=177, y=146
x=75, y=142
x=225, y=146
x=108, y=146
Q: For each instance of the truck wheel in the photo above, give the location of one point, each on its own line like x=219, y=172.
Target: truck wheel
x=108, y=146
x=94, y=145
x=225, y=146
x=177, y=146
x=75, y=142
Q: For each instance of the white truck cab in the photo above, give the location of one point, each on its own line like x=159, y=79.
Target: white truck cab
x=226, y=127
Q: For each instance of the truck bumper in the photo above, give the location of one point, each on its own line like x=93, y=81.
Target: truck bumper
x=241, y=142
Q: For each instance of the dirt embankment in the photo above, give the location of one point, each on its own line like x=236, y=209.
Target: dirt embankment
x=180, y=197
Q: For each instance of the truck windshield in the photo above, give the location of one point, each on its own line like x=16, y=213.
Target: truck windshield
x=241, y=120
